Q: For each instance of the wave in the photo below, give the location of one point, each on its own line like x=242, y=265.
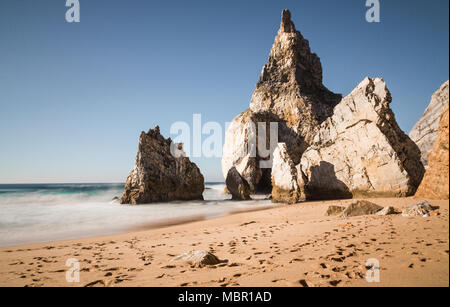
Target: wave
x=42, y=213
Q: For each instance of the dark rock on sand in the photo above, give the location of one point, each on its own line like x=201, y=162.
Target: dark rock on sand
x=162, y=173
x=237, y=186
x=198, y=258
x=361, y=207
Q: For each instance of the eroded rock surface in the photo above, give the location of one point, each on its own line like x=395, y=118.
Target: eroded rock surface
x=334, y=210
x=159, y=175
x=237, y=186
x=361, y=151
x=422, y=209
x=290, y=84
x=361, y=207
x=425, y=132
x=288, y=182
x=435, y=184
x=289, y=92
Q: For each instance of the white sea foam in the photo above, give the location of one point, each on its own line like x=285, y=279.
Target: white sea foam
x=59, y=213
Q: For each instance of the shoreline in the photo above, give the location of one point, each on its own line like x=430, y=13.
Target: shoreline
x=158, y=224
x=279, y=246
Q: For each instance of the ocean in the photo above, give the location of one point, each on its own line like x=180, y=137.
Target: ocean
x=35, y=213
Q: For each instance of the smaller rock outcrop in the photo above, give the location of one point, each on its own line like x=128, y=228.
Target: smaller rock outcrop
x=237, y=186
x=198, y=258
x=422, y=209
x=425, y=132
x=361, y=207
x=288, y=181
x=435, y=182
x=162, y=173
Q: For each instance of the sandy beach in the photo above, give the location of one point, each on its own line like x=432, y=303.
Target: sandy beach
x=291, y=246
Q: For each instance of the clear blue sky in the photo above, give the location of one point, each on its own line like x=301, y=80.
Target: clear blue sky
x=74, y=97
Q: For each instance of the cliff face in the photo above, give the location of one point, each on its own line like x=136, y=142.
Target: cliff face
x=289, y=92
x=425, y=132
x=435, y=182
x=361, y=151
x=159, y=175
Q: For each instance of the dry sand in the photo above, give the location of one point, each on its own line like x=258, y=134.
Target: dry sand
x=284, y=246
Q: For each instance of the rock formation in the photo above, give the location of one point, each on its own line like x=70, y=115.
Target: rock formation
x=159, y=175
x=345, y=147
x=237, y=186
x=422, y=209
x=288, y=182
x=289, y=92
x=290, y=84
x=435, y=182
x=361, y=207
x=425, y=132
x=361, y=151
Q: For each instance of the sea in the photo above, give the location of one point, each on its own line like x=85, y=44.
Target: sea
x=37, y=213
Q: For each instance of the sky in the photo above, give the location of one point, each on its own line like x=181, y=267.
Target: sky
x=74, y=97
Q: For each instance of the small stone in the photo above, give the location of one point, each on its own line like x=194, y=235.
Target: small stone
x=361, y=207
x=198, y=258
x=422, y=209
x=387, y=211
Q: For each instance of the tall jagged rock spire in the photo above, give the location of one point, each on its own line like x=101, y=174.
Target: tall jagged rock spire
x=291, y=85
x=290, y=92
x=287, y=25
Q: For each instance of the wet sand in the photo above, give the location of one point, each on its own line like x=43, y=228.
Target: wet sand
x=284, y=246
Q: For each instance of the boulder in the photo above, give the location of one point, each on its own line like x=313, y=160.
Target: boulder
x=198, y=258
x=288, y=186
x=237, y=186
x=289, y=93
x=435, y=182
x=361, y=207
x=162, y=173
x=387, y=211
x=360, y=151
x=425, y=132
x=422, y=209
x=334, y=210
